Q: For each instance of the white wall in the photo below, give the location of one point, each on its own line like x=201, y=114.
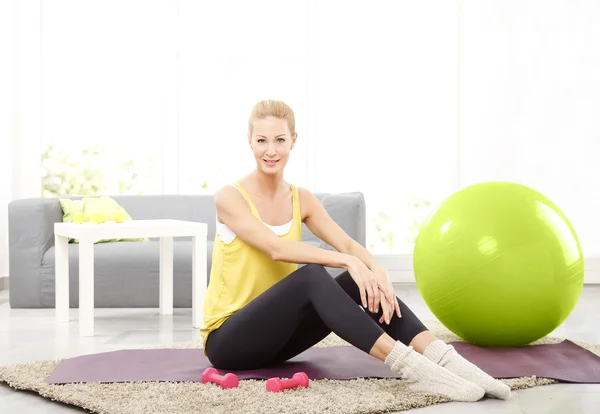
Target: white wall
x=530, y=99
x=5, y=127
x=27, y=90
x=20, y=128
x=529, y=89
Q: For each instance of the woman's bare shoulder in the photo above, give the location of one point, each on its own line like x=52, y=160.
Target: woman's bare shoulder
x=228, y=197
x=308, y=202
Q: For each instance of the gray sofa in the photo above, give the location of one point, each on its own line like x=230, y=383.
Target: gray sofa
x=127, y=273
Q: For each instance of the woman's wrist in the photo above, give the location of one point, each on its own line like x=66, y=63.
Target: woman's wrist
x=380, y=272
x=361, y=253
x=348, y=260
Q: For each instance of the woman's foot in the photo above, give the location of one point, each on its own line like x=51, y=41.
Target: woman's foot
x=423, y=375
x=446, y=356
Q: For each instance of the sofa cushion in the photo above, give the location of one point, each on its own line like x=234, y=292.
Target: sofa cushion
x=126, y=274
x=98, y=210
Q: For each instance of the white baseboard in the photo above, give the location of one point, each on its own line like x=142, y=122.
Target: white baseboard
x=401, y=269
x=592, y=277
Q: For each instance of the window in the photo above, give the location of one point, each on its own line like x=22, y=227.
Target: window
x=530, y=95
x=404, y=101
x=106, y=95
x=232, y=55
x=387, y=101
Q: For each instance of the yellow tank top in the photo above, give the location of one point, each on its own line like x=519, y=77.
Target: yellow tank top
x=240, y=272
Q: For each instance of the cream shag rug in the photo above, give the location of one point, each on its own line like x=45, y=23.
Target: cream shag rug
x=356, y=396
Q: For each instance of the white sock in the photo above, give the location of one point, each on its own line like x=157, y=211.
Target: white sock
x=422, y=375
x=446, y=356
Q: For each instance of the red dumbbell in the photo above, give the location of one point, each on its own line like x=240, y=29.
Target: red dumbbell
x=225, y=381
x=300, y=379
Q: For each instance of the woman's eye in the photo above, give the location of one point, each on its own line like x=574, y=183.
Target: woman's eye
x=281, y=139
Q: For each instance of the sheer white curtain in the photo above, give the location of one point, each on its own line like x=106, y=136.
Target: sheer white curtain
x=20, y=126
x=530, y=99
x=404, y=101
x=233, y=54
x=387, y=103
x=108, y=94
x=6, y=131
x=416, y=100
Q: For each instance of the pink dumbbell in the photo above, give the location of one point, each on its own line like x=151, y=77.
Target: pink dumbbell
x=225, y=381
x=300, y=379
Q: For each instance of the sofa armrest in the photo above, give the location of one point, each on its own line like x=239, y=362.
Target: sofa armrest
x=30, y=235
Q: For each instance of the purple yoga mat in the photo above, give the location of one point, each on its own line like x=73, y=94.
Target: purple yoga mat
x=340, y=362
x=564, y=361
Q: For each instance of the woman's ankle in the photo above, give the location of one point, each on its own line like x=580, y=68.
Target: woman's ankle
x=422, y=341
x=382, y=347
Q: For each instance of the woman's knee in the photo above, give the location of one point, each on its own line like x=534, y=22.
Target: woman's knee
x=311, y=274
x=314, y=268
x=311, y=270
x=349, y=285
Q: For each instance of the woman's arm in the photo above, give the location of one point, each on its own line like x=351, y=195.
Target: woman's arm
x=233, y=210
x=325, y=228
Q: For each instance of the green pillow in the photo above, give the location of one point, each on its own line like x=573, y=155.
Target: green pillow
x=97, y=210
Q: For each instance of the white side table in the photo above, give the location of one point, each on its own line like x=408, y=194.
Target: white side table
x=87, y=233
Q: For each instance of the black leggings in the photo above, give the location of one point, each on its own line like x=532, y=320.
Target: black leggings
x=297, y=313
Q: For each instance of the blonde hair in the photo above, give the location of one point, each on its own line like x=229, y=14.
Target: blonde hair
x=277, y=109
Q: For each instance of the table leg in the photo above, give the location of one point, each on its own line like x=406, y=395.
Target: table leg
x=199, y=277
x=166, y=276
x=86, y=287
x=61, y=278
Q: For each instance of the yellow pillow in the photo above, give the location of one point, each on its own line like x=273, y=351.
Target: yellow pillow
x=97, y=210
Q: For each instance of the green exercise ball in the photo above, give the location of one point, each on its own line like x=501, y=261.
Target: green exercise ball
x=499, y=264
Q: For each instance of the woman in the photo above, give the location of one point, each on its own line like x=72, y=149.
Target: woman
x=260, y=309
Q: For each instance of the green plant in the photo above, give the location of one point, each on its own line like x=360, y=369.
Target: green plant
x=66, y=174
x=92, y=170
x=383, y=223
x=397, y=227
x=421, y=209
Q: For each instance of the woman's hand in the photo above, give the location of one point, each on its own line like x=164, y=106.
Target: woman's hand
x=387, y=311
x=385, y=280
x=368, y=284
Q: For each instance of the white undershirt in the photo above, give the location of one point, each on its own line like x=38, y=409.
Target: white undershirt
x=227, y=235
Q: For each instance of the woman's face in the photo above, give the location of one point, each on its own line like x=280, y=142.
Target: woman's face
x=271, y=144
